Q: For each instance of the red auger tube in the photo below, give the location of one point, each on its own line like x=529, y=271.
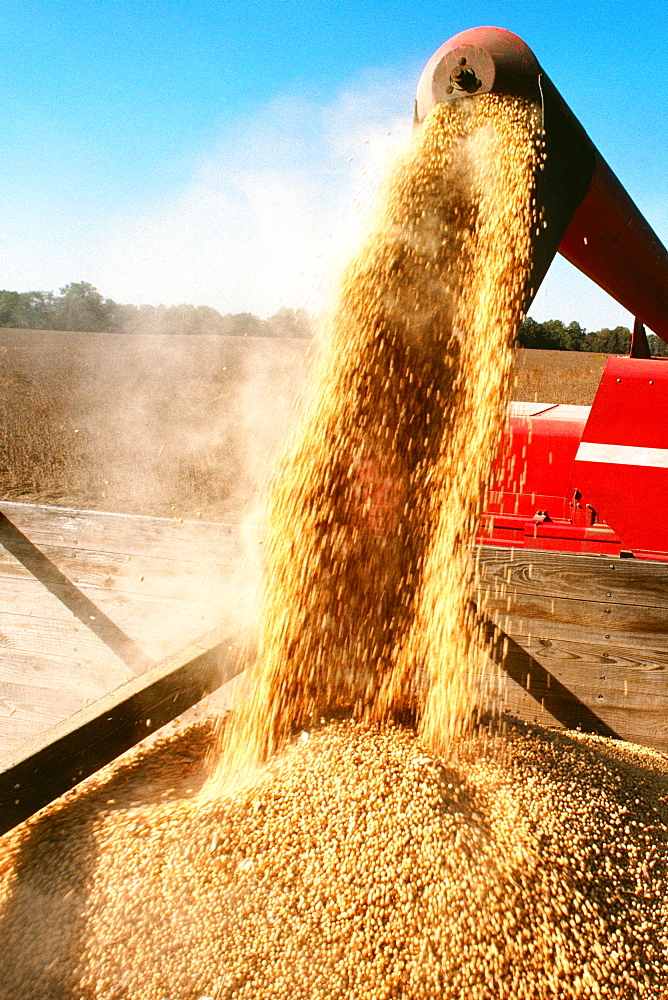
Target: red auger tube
x=590, y=217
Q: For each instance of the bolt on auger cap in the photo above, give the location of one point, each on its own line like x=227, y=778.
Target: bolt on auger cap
x=477, y=61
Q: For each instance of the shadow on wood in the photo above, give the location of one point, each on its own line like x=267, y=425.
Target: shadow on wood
x=50, y=764
x=549, y=692
x=88, y=613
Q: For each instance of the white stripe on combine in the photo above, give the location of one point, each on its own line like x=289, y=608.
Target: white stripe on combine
x=622, y=454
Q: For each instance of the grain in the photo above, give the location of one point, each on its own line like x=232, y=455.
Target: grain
x=360, y=865
x=368, y=595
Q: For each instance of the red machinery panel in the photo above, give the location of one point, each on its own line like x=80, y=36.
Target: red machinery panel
x=531, y=502
x=580, y=479
x=621, y=464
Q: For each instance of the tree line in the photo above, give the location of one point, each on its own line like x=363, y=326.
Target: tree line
x=553, y=335
x=80, y=307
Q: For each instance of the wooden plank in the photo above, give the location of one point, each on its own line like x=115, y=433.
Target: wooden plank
x=599, y=659
x=149, y=616
x=151, y=609
x=126, y=601
x=36, y=696
x=54, y=651
x=553, y=696
x=161, y=600
x=17, y=725
x=127, y=534
x=60, y=673
x=610, y=656
x=17, y=591
x=51, y=637
x=40, y=691
x=51, y=664
x=104, y=570
x=25, y=595
x=505, y=696
x=50, y=764
x=30, y=623
x=640, y=624
x=624, y=701
x=48, y=574
x=572, y=576
x=645, y=647
x=30, y=708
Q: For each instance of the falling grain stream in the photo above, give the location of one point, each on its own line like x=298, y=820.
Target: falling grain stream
x=375, y=508
x=361, y=836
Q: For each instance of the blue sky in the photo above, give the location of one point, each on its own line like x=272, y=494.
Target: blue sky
x=218, y=152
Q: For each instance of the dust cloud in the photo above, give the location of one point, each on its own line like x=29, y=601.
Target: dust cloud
x=166, y=426
x=180, y=428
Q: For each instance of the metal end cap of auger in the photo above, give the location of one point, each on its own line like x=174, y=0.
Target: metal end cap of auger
x=477, y=61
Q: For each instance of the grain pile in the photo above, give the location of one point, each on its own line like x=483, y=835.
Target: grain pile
x=364, y=861
x=359, y=866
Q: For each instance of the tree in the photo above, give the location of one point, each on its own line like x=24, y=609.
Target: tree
x=617, y=341
x=81, y=307
x=34, y=310
x=658, y=348
x=288, y=323
x=552, y=335
x=243, y=325
x=9, y=302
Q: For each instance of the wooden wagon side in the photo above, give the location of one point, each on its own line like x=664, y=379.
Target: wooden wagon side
x=582, y=641
x=97, y=617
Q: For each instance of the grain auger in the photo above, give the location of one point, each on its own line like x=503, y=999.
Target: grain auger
x=581, y=625
x=591, y=220
x=574, y=478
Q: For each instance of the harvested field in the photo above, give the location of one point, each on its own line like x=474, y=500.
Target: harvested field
x=557, y=376
x=176, y=425
x=167, y=426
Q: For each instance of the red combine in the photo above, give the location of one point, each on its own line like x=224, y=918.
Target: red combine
x=586, y=638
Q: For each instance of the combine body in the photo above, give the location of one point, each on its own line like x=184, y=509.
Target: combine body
x=588, y=479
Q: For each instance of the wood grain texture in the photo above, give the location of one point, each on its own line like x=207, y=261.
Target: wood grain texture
x=82, y=593
x=555, y=697
x=574, y=577
x=50, y=764
x=49, y=575
x=582, y=631
x=125, y=534
x=117, y=571
x=637, y=623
